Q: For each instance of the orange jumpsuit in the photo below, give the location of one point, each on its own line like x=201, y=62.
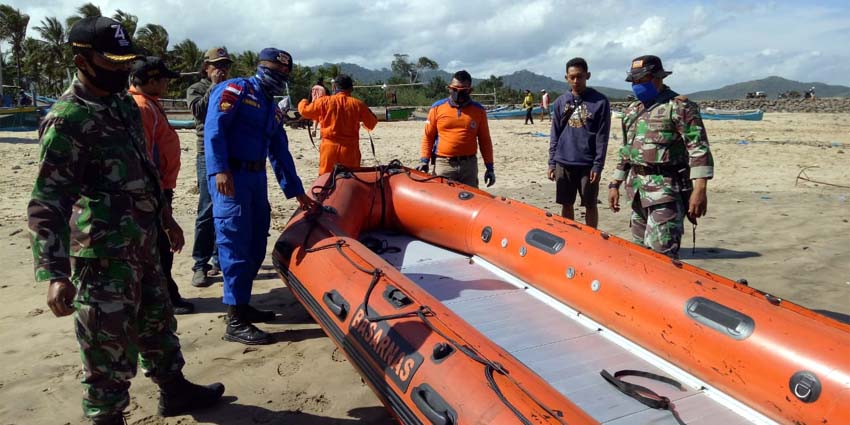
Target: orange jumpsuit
x=162, y=141
x=339, y=117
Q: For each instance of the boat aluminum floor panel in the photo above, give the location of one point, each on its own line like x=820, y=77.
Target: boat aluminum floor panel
x=567, y=354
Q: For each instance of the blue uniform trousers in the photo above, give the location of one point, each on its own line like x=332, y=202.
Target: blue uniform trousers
x=242, y=229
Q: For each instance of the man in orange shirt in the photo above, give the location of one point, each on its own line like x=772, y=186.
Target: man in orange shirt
x=456, y=129
x=149, y=81
x=339, y=117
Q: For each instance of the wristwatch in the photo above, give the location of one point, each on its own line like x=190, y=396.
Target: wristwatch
x=613, y=185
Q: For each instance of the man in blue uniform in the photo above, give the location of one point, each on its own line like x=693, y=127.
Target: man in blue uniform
x=243, y=126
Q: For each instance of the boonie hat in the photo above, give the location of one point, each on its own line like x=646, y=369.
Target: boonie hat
x=646, y=65
x=105, y=36
x=153, y=67
x=217, y=54
x=276, y=55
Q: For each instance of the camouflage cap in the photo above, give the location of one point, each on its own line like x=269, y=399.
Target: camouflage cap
x=105, y=36
x=217, y=54
x=646, y=65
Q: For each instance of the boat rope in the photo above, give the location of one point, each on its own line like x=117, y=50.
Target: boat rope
x=310, y=135
x=423, y=313
x=805, y=177
x=643, y=394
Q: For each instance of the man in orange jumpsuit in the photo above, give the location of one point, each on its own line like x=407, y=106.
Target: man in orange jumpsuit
x=455, y=130
x=339, y=117
x=149, y=80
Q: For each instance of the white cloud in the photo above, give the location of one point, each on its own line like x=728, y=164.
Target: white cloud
x=706, y=44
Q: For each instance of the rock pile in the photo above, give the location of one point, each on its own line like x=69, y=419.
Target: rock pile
x=825, y=105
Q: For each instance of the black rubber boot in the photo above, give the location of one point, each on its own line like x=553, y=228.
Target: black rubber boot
x=240, y=329
x=181, y=306
x=180, y=396
x=258, y=316
x=117, y=419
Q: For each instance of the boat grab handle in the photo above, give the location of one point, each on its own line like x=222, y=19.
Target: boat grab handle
x=433, y=406
x=544, y=240
x=720, y=318
x=336, y=303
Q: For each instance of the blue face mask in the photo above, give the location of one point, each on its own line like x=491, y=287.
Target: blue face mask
x=645, y=92
x=273, y=82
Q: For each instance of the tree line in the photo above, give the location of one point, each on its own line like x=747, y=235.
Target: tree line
x=45, y=63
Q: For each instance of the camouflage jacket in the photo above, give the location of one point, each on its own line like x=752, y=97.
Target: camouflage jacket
x=97, y=193
x=668, y=134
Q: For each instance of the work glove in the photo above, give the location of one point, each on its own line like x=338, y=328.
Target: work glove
x=489, y=176
x=423, y=166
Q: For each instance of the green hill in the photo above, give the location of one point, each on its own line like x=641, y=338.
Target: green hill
x=519, y=80
x=773, y=86
x=525, y=79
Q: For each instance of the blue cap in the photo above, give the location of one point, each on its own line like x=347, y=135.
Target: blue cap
x=276, y=55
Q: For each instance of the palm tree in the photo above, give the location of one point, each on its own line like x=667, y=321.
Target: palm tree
x=87, y=10
x=244, y=64
x=153, y=39
x=328, y=73
x=53, y=33
x=13, y=28
x=35, y=65
x=128, y=21
x=187, y=56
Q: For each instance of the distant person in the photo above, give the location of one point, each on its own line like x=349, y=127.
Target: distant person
x=578, y=143
x=456, y=129
x=528, y=105
x=23, y=99
x=149, y=80
x=215, y=69
x=340, y=116
x=811, y=93
x=544, y=105
x=665, y=157
x=318, y=90
x=94, y=216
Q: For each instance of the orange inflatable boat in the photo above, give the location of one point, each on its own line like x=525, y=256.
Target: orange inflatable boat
x=458, y=307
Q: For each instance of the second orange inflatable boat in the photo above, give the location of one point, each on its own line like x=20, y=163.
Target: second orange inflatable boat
x=458, y=307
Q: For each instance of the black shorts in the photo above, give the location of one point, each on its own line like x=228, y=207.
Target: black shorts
x=570, y=179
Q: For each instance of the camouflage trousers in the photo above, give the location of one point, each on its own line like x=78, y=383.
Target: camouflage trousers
x=658, y=227
x=123, y=315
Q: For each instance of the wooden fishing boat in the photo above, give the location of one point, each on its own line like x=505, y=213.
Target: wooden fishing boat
x=459, y=307
x=392, y=113
x=20, y=118
x=514, y=113
x=182, y=124
x=723, y=114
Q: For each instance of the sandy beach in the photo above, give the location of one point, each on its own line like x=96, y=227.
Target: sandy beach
x=786, y=237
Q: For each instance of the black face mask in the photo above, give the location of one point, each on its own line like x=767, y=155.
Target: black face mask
x=460, y=97
x=108, y=80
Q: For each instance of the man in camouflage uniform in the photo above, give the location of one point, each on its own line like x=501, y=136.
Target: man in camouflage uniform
x=665, y=157
x=95, y=215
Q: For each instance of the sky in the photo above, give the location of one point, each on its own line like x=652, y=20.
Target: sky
x=707, y=44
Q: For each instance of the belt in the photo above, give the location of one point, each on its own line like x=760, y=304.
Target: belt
x=250, y=166
x=658, y=169
x=457, y=158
